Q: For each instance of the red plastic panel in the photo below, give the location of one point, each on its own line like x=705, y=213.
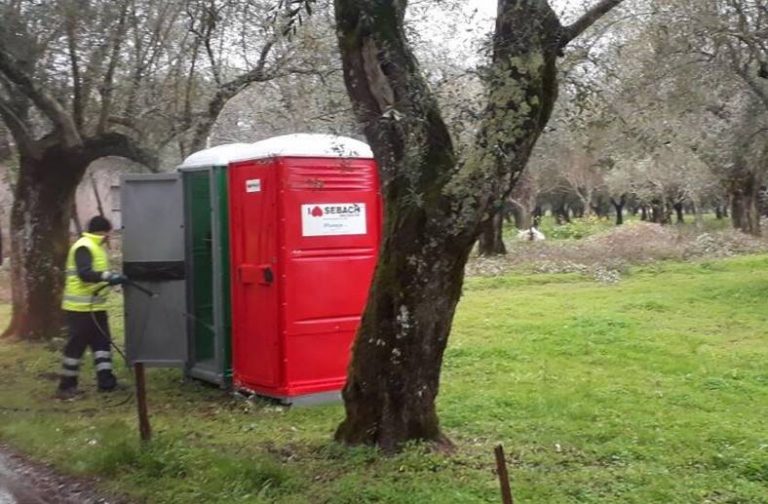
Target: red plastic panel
x=255, y=235
x=332, y=232
x=314, y=225
x=318, y=362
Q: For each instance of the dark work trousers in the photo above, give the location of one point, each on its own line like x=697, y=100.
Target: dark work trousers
x=87, y=329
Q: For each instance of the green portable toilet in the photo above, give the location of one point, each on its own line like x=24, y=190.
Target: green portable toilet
x=206, y=226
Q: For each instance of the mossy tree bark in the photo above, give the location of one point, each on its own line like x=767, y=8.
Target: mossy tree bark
x=49, y=174
x=522, y=201
x=435, y=204
x=39, y=238
x=679, y=213
x=51, y=166
x=744, y=192
x=491, y=242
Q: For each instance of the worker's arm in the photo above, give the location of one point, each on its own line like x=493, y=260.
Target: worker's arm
x=84, y=264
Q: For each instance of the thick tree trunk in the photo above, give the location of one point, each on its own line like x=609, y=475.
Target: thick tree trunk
x=508, y=214
x=679, y=211
x=434, y=207
x=394, y=377
x=562, y=215
x=659, y=213
x=524, y=219
x=586, y=207
x=43, y=199
x=644, y=213
x=744, y=195
x=491, y=242
x=522, y=201
x=39, y=240
x=718, y=212
x=619, y=207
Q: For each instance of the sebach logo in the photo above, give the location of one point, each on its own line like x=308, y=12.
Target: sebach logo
x=333, y=219
x=340, y=210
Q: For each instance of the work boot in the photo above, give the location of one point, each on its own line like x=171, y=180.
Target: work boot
x=66, y=383
x=118, y=387
x=66, y=394
x=107, y=381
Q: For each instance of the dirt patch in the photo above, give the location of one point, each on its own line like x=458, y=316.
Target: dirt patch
x=23, y=481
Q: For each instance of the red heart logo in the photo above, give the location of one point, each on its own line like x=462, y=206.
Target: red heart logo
x=317, y=212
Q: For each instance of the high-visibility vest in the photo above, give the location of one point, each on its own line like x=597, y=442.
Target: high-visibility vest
x=82, y=296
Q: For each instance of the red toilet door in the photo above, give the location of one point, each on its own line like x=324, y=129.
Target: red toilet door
x=255, y=275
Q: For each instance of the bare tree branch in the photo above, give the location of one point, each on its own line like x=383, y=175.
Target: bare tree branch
x=77, y=95
x=47, y=104
x=589, y=18
x=21, y=134
x=118, y=145
x=190, y=83
x=754, y=85
x=146, y=55
x=227, y=91
x=106, y=88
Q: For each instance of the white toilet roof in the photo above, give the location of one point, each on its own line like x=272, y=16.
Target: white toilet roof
x=294, y=145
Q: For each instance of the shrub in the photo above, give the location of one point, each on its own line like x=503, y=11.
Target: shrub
x=576, y=229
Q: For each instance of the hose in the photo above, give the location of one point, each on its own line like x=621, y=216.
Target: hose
x=94, y=409
x=102, y=330
x=104, y=333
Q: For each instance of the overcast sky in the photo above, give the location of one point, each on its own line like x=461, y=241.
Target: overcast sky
x=566, y=8
x=459, y=35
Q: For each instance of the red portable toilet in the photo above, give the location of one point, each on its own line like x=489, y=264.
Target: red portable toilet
x=305, y=226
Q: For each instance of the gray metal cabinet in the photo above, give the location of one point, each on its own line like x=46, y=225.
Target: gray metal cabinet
x=153, y=256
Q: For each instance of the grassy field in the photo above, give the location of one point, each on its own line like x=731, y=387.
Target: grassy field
x=654, y=389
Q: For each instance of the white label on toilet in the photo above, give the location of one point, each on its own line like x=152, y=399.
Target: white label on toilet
x=253, y=185
x=333, y=219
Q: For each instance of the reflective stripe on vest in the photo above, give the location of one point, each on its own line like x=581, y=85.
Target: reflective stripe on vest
x=85, y=299
x=82, y=296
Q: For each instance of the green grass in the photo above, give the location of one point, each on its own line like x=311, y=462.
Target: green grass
x=576, y=229
x=651, y=390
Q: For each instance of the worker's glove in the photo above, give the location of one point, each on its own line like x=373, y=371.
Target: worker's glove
x=113, y=278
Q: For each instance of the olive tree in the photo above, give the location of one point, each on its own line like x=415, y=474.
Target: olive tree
x=131, y=78
x=435, y=203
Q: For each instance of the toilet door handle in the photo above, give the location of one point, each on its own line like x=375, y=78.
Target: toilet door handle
x=267, y=275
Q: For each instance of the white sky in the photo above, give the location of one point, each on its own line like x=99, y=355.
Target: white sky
x=459, y=35
x=565, y=8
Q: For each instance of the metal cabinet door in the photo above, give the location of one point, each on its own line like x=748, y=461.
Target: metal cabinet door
x=153, y=256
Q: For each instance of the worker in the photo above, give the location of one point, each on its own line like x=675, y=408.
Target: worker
x=85, y=308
